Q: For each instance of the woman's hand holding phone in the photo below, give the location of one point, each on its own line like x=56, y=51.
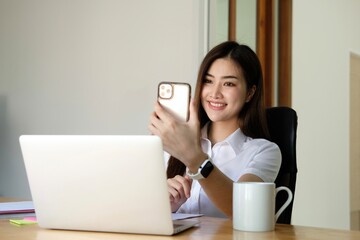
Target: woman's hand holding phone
x=180, y=139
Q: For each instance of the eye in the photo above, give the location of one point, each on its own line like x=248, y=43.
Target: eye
x=229, y=84
x=207, y=80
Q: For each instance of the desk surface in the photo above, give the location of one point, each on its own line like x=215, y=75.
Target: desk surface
x=209, y=228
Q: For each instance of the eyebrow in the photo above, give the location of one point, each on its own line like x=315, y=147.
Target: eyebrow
x=223, y=77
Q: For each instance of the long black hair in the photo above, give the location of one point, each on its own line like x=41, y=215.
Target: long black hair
x=252, y=114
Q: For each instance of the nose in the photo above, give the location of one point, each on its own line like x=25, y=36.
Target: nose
x=216, y=91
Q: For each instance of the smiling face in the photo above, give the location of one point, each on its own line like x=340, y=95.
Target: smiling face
x=224, y=91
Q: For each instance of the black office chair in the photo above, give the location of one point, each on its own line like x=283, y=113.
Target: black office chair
x=282, y=124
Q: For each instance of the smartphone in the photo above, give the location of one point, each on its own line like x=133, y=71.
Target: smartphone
x=175, y=98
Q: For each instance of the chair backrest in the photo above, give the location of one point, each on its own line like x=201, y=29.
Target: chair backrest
x=282, y=124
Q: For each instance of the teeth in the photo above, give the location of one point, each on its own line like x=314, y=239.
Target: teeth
x=217, y=104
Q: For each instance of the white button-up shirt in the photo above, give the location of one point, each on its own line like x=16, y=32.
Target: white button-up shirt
x=235, y=156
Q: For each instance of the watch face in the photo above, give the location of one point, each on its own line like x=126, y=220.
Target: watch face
x=206, y=170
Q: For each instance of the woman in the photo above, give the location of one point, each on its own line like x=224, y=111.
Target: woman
x=225, y=138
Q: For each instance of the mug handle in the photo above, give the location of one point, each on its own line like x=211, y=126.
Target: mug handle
x=288, y=201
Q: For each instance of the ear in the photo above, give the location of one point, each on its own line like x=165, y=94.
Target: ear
x=250, y=93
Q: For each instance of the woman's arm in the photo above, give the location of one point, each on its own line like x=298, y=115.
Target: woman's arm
x=219, y=189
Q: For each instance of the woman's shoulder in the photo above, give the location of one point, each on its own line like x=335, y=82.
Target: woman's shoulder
x=261, y=144
x=259, y=141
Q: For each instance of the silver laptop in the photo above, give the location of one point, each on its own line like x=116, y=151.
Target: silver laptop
x=100, y=183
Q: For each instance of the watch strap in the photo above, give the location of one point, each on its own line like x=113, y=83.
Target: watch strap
x=203, y=171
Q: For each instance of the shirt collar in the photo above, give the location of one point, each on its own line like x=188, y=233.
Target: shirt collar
x=235, y=140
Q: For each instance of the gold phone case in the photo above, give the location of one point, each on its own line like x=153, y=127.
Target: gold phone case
x=175, y=98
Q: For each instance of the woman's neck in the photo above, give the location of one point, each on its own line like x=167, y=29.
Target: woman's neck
x=219, y=131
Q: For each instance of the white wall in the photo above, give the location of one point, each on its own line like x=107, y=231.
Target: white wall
x=88, y=67
x=324, y=33
x=245, y=22
x=218, y=21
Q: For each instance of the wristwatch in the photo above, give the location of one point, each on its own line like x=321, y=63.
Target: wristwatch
x=204, y=170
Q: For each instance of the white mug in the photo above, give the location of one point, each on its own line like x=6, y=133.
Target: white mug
x=254, y=206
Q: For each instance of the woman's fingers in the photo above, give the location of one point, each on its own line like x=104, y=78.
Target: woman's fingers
x=161, y=112
x=179, y=188
x=160, y=120
x=154, y=123
x=193, y=118
x=187, y=188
